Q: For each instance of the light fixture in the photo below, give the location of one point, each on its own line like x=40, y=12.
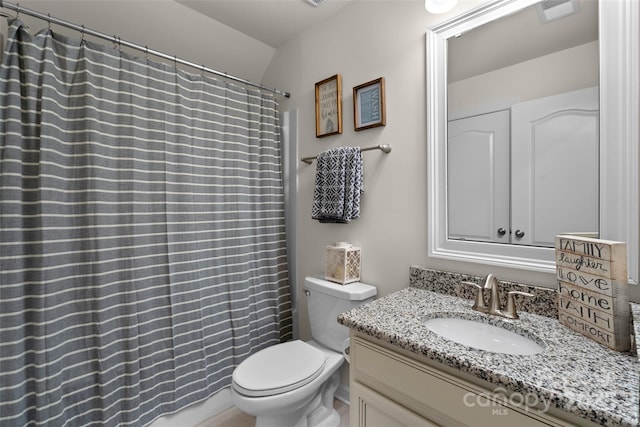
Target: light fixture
x=550, y=10
x=315, y=3
x=439, y=6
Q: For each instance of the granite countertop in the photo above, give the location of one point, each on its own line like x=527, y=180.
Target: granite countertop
x=572, y=373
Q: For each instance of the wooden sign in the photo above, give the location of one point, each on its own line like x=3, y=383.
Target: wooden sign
x=592, y=289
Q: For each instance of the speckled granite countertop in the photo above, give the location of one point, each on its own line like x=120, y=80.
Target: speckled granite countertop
x=573, y=373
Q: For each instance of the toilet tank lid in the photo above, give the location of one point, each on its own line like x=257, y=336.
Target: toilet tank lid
x=354, y=291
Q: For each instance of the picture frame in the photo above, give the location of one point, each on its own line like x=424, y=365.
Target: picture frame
x=369, y=105
x=329, y=106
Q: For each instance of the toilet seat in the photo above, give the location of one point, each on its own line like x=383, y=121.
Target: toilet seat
x=278, y=369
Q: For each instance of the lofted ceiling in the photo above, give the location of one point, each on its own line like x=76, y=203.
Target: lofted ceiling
x=514, y=39
x=272, y=22
x=519, y=37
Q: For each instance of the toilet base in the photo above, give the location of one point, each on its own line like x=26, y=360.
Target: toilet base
x=330, y=419
x=318, y=412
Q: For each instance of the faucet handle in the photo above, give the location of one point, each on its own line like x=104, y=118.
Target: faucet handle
x=479, y=303
x=510, y=312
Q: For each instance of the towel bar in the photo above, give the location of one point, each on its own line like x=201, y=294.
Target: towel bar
x=386, y=148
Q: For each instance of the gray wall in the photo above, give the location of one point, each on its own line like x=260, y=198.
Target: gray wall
x=367, y=40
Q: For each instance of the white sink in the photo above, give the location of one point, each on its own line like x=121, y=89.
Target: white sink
x=482, y=336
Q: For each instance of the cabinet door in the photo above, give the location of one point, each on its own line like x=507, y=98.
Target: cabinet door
x=478, y=177
x=371, y=409
x=555, y=169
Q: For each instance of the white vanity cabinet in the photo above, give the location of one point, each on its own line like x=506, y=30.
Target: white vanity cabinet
x=390, y=389
x=524, y=175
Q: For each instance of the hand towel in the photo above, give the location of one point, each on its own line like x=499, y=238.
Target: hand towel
x=339, y=184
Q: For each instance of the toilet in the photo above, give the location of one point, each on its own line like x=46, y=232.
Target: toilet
x=292, y=384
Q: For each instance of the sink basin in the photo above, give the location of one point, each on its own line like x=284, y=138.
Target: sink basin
x=482, y=336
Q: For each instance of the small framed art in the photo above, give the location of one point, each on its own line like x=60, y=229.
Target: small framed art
x=368, y=105
x=329, y=106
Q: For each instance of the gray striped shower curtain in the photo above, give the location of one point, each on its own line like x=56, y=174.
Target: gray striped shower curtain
x=141, y=234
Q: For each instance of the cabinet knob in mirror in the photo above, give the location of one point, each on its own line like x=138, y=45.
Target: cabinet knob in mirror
x=501, y=231
x=519, y=233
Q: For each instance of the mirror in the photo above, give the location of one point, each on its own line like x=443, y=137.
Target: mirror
x=522, y=101
x=613, y=207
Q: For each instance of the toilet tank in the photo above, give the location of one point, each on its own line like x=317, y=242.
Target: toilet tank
x=325, y=301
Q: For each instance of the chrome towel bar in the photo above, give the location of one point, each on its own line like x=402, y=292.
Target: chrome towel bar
x=386, y=148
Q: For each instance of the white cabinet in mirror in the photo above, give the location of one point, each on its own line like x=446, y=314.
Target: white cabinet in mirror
x=496, y=189
x=525, y=174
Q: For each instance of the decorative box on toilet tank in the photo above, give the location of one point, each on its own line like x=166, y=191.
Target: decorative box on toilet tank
x=342, y=263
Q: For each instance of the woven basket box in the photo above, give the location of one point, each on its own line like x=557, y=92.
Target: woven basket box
x=342, y=263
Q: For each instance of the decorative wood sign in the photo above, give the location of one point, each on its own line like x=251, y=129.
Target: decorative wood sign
x=592, y=289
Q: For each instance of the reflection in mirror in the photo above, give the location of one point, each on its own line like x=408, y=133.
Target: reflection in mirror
x=522, y=147
x=596, y=80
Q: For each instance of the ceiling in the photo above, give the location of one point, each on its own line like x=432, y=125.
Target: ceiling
x=519, y=37
x=511, y=40
x=273, y=22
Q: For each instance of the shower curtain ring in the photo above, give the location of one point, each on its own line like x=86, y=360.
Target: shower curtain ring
x=17, y=10
x=146, y=53
x=49, y=21
x=82, y=34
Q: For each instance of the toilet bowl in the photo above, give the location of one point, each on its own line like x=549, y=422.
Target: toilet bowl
x=293, y=384
x=295, y=404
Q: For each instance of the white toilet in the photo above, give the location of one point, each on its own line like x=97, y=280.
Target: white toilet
x=293, y=384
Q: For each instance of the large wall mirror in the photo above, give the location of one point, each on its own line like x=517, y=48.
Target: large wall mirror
x=533, y=130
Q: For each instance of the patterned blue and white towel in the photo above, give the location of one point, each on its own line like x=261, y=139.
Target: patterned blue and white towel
x=339, y=183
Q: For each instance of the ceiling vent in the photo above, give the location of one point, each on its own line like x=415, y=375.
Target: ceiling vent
x=316, y=3
x=550, y=10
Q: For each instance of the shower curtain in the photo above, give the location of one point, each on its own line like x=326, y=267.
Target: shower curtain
x=141, y=234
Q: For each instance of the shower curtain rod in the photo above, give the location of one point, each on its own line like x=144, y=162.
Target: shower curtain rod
x=81, y=28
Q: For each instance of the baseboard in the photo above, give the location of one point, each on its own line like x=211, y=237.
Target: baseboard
x=342, y=393
x=197, y=413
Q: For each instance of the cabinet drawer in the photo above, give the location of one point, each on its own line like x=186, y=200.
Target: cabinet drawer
x=436, y=395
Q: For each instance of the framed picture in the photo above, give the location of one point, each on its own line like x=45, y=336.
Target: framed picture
x=329, y=106
x=368, y=105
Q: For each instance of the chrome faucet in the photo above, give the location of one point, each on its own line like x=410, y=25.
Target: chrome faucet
x=494, y=298
x=492, y=284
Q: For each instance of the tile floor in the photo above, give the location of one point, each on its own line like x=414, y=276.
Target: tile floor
x=233, y=417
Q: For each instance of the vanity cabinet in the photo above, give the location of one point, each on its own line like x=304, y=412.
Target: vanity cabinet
x=508, y=170
x=390, y=389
